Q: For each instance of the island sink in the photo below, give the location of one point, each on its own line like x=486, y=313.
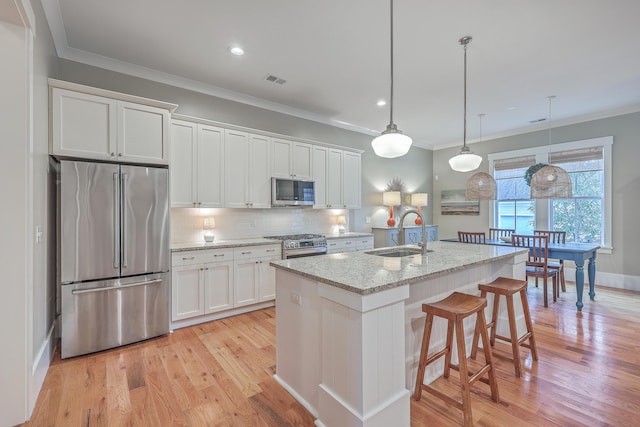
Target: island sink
x=397, y=252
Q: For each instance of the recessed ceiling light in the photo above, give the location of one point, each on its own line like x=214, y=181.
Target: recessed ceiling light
x=381, y=103
x=511, y=108
x=238, y=51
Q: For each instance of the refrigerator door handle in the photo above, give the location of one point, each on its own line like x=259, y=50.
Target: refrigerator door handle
x=110, y=288
x=125, y=256
x=116, y=221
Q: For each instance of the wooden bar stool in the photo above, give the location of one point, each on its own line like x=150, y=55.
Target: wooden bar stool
x=455, y=308
x=508, y=287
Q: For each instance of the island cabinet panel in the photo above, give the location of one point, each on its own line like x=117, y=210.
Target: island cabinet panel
x=387, y=236
x=116, y=127
x=360, y=334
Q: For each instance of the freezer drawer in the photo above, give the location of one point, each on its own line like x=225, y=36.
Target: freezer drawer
x=101, y=315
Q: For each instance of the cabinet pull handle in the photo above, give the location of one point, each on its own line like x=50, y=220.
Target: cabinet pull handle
x=271, y=250
x=246, y=253
x=186, y=258
x=348, y=243
x=217, y=255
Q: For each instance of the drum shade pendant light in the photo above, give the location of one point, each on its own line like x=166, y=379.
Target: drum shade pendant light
x=465, y=161
x=551, y=182
x=481, y=185
x=392, y=142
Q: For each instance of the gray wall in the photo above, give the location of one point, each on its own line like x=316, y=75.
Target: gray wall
x=625, y=237
x=414, y=169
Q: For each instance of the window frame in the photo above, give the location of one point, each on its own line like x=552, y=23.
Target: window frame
x=543, y=206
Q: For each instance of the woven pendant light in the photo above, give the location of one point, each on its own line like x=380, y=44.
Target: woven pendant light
x=551, y=182
x=480, y=185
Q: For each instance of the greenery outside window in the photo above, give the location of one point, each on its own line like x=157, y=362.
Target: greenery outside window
x=586, y=217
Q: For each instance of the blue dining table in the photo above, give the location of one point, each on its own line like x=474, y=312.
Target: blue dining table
x=577, y=252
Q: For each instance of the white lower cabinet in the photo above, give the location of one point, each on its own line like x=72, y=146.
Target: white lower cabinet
x=255, y=278
x=214, y=280
x=349, y=244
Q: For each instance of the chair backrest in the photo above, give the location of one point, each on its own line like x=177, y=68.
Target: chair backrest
x=554, y=236
x=538, y=248
x=472, y=237
x=496, y=233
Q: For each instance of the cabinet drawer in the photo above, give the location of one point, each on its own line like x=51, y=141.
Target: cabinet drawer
x=201, y=257
x=247, y=252
x=364, y=242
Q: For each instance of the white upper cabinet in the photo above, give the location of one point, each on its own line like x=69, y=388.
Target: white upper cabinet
x=337, y=176
x=197, y=165
x=96, y=124
x=291, y=159
x=351, y=180
x=248, y=173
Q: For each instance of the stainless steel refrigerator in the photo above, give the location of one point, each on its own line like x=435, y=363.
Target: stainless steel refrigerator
x=113, y=255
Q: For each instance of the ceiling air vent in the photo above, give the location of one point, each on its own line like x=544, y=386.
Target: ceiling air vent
x=274, y=79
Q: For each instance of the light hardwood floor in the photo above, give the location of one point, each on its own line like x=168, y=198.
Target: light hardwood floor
x=220, y=374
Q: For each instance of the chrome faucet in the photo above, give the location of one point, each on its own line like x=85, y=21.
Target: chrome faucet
x=401, y=241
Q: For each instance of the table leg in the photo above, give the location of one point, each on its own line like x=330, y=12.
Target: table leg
x=592, y=275
x=579, y=282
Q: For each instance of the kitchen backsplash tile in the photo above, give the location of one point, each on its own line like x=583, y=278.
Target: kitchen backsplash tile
x=186, y=223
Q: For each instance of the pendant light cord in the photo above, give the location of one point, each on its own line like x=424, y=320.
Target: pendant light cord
x=464, y=136
x=391, y=106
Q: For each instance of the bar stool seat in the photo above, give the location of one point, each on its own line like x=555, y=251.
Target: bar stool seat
x=508, y=287
x=455, y=308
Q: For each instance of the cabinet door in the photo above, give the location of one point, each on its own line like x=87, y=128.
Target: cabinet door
x=218, y=288
x=83, y=125
x=320, y=165
x=187, y=292
x=412, y=236
x=301, y=155
x=245, y=282
x=183, y=174
x=267, y=275
x=281, y=158
x=364, y=243
x=143, y=133
x=351, y=181
x=210, y=167
x=237, y=167
x=334, y=179
x=432, y=233
x=260, y=172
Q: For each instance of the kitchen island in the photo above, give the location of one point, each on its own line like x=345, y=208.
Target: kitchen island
x=349, y=326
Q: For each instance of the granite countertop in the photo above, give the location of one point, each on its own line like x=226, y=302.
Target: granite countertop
x=365, y=274
x=347, y=235
x=221, y=244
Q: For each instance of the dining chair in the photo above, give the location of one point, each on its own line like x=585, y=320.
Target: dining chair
x=496, y=233
x=537, y=264
x=472, y=237
x=556, y=237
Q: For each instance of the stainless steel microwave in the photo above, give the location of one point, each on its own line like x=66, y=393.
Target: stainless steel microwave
x=292, y=192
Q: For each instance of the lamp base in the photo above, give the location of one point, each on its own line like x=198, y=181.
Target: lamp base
x=391, y=222
x=208, y=236
x=418, y=221
x=341, y=229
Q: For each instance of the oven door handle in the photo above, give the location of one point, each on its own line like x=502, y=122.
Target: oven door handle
x=299, y=252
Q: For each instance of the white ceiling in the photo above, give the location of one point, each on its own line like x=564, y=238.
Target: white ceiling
x=334, y=55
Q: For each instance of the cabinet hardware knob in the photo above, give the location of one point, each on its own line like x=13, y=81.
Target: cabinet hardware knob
x=119, y=154
x=113, y=154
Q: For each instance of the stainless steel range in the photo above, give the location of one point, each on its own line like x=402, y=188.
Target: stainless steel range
x=301, y=245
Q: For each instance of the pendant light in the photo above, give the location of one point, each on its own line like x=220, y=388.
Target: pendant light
x=465, y=161
x=481, y=185
x=551, y=182
x=392, y=142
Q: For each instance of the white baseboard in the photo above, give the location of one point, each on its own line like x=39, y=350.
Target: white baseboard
x=299, y=398
x=41, y=364
x=221, y=315
x=603, y=278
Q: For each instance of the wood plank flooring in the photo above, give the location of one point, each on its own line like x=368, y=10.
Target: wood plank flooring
x=220, y=374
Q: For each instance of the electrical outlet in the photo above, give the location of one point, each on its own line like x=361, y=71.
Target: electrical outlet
x=296, y=298
x=367, y=220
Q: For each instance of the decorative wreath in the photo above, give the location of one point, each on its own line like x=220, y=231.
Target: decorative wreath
x=531, y=171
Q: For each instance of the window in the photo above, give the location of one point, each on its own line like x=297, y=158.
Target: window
x=586, y=217
x=513, y=208
x=582, y=216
